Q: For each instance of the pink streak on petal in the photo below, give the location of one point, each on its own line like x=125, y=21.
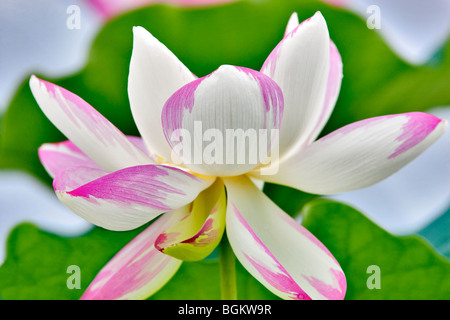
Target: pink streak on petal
x=292, y=24
x=58, y=156
x=131, y=186
x=166, y=239
x=79, y=104
x=139, y=143
x=366, y=123
x=273, y=57
x=63, y=155
x=116, y=187
x=328, y=291
x=418, y=127
x=281, y=280
x=74, y=177
x=137, y=272
x=307, y=234
x=205, y=235
x=82, y=113
x=333, y=87
x=183, y=99
x=69, y=145
x=272, y=94
x=132, y=268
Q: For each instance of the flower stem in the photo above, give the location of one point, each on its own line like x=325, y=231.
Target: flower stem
x=227, y=270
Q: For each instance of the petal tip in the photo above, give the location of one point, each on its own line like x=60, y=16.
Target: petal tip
x=317, y=19
x=138, y=29
x=34, y=82
x=142, y=35
x=318, y=15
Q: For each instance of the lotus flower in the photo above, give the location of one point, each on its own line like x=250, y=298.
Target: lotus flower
x=120, y=183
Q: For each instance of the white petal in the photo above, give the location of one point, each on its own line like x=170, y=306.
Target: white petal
x=128, y=198
x=292, y=23
x=56, y=157
x=155, y=74
x=220, y=120
x=360, y=154
x=285, y=257
x=100, y=140
x=415, y=196
x=139, y=269
x=300, y=66
x=333, y=87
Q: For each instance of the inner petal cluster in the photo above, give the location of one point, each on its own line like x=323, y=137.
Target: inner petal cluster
x=224, y=124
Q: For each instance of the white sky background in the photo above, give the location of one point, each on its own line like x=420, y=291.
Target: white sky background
x=34, y=38
x=414, y=29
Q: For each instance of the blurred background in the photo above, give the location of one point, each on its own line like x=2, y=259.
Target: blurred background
x=395, y=55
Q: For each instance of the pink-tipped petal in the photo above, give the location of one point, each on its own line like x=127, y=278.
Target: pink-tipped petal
x=100, y=140
x=220, y=121
x=139, y=269
x=285, y=257
x=56, y=157
x=300, y=66
x=200, y=231
x=360, y=154
x=128, y=198
x=155, y=74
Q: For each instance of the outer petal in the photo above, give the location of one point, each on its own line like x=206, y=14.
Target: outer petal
x=333, y=84
x=418, y=194
x=331, y=95
x=62, y=155
x=198, y=234
x=229, y=108
x=128, y=198
x=300, y=66
x=281, y=254
x=360, y=154
x=86, y=128
x=155, y=74
x=139, y=269
x=59, y=156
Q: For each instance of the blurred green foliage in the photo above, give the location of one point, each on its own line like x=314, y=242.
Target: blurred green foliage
x=409, y=268
x=37, y=261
